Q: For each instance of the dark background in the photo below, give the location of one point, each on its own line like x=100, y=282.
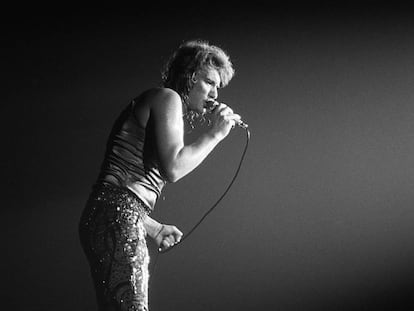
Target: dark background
x=321, y=214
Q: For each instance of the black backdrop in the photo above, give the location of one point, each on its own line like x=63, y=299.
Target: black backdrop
x=320, y=217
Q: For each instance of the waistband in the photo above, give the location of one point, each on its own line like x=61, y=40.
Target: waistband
x=112, y=194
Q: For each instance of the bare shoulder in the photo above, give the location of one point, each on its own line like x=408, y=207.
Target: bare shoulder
x=162, y=96
x=164, y=101
x=157, y=101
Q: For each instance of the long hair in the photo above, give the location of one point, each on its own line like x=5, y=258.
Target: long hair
x=191, y=57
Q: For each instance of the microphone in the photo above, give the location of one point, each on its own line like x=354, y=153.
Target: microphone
x=213, y=104
x=242, y=124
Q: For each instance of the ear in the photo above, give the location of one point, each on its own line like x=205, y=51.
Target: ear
x=193, y=77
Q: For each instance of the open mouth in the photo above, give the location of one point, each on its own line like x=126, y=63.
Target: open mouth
x=210, y=105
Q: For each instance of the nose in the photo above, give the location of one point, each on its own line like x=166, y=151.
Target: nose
x=213, y=93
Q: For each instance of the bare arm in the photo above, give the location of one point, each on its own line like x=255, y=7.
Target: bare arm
x=177, y=159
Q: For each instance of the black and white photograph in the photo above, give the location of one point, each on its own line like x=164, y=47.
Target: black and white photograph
x=208, y=156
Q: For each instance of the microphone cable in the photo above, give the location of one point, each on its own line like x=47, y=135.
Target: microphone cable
x=245, y=127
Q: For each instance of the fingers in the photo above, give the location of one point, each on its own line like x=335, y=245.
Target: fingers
x=177, y=235
x=227, y=114
x=164, y=245
x=223, y=110
x=170, y=237
x=167, y=242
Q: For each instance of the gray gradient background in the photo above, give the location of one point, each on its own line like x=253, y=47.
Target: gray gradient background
x=321, y=215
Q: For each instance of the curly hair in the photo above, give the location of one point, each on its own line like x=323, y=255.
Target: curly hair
x=191, y=57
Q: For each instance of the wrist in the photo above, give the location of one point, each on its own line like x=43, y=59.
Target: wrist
x=158, y=233
x=152, y=227
x=214, y=136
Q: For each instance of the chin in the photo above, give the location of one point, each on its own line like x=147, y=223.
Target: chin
x=200, y=110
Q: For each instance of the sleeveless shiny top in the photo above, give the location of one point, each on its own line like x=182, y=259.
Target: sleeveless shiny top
x=131, y=158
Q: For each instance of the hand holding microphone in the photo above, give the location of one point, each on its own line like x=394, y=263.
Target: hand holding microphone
x=226, y=112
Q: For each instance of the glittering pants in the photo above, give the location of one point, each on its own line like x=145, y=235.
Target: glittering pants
x=113, y=237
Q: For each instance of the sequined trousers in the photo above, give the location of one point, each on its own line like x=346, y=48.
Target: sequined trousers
x=112, y=235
